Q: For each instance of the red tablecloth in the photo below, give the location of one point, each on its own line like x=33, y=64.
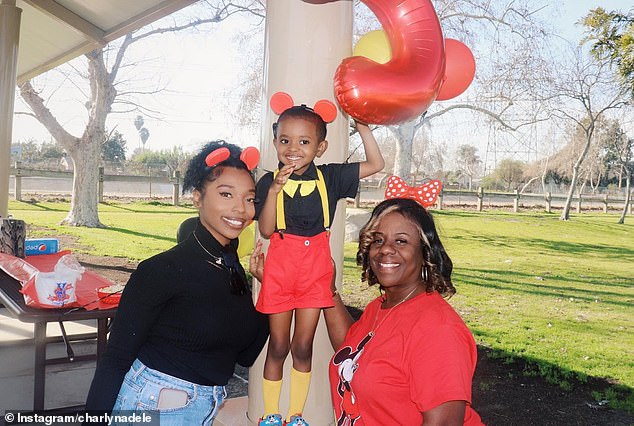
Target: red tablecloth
x=24, y=271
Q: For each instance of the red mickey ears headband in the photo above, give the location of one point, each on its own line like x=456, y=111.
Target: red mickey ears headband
x=282, y=101
x=250, y=156
x=425, y=194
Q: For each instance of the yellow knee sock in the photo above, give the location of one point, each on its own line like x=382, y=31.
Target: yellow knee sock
x=300, y=382
x=272, y=390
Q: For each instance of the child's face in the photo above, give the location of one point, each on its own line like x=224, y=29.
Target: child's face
x=297, y=143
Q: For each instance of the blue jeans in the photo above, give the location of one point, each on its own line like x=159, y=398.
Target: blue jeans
x=141, y=389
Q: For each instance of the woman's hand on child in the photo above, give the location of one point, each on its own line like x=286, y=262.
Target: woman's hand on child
x=333, y=283
x=256, y=262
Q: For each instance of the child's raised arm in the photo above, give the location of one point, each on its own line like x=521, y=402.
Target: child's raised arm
x=374, y=159
x=268, y=215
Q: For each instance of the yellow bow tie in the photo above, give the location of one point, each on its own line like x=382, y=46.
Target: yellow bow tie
x=305, y=187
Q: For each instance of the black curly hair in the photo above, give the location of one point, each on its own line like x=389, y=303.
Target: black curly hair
x=306, y=113
x=438, y=265
x=198, y=172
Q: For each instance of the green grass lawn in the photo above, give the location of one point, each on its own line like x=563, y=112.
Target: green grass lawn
x=558, y=294
x=134, y=230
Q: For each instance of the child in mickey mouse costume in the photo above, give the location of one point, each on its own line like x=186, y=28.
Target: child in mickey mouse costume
x=298, y=202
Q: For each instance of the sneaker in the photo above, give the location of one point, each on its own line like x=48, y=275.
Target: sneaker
x=271, y=420
x=297, y=421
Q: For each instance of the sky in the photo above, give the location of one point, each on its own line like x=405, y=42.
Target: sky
x=200, y=72
x=532, y=142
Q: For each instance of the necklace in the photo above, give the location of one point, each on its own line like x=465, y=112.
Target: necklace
x=217, y=261
x=237, y=280
x=375, y=326
x=361, y=346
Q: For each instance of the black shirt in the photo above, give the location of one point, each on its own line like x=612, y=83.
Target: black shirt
x=304, y=215
x=178, y=316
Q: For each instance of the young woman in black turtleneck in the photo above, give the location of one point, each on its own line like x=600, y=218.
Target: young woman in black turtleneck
x=186, y=316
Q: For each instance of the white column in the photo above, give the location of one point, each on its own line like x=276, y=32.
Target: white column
x=9, y=40
x=304, y=45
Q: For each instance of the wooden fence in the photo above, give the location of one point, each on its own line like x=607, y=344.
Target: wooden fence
x=19, y=173
x=480, y=198
x=367, y=193
x=531, y=199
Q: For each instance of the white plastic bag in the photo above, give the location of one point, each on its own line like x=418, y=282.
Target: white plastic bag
x=57, y=288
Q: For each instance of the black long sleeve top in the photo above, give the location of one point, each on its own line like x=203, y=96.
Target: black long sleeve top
x=179, y=316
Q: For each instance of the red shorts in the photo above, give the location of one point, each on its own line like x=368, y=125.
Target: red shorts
x=298, y=273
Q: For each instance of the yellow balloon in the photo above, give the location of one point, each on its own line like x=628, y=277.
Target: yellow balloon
x=374, y=45
x=246, y=241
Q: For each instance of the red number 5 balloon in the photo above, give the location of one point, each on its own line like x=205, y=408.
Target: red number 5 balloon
x=405, y=87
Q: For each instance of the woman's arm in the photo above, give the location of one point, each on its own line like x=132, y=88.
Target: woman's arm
x=338, y=321
x=247, y=357
x=141, y=303
x=256, y=262
x=450, y=413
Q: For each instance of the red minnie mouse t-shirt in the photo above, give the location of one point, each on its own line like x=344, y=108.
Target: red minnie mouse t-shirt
x=421, y=355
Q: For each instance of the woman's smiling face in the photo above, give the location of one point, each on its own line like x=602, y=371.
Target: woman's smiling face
x=227, y=204
x=395, y=253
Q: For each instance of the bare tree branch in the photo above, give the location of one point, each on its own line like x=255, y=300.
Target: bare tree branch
x=104, y=67
x=42, y=113
x=498, y=117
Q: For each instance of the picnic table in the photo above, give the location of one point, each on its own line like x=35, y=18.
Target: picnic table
x=13, y=300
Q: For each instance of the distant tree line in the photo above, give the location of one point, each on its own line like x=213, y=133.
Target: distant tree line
x=114, y=157
x=608, y=162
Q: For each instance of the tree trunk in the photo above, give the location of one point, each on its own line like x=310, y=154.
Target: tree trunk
x=621, y=176
x=628, y=195
x=544, y=174
x=85, y=150
x=404, y=133
x=565, y=214
x=592, y=186
x=85, y=201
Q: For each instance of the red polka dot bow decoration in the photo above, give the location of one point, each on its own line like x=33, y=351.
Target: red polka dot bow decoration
x=425, y=194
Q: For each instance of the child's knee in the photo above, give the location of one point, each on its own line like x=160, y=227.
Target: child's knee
x=302, y=350
x=278, y=349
